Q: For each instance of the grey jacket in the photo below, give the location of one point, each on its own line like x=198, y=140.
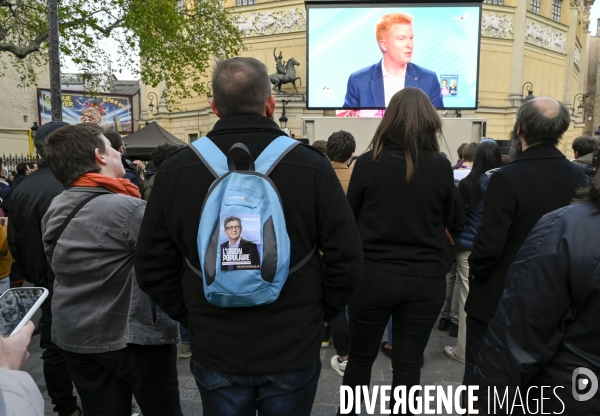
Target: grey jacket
x=97, y=305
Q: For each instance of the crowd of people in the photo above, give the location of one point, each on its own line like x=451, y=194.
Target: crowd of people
x=497, y=251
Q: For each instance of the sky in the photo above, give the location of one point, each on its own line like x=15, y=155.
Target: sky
x=128, y=75
x=594, y=16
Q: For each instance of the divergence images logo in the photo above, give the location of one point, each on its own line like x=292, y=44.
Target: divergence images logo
x=584, y=379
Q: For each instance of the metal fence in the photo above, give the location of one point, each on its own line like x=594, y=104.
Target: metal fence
x=11, y=161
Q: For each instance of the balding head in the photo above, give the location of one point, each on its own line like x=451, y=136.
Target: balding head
x=240, y=86
x=542, y=120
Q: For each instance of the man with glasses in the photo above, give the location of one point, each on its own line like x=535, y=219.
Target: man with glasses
x=233, y=229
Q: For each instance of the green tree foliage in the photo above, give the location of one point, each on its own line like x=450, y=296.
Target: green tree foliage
x=176, y=40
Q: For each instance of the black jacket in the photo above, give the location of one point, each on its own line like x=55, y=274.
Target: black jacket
x=538, y=181
x=286, y=334
x=30, y=201
x=402, y=224
x=547, y=323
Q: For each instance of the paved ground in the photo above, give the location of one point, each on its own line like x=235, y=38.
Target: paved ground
x=438, y=370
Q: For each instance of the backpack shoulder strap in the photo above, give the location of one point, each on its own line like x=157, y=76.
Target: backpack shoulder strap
x=273, y=153
x=207, y=151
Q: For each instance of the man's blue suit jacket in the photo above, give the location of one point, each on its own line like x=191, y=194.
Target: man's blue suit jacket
x=365, y=87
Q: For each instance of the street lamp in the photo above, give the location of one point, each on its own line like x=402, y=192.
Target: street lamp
x=529, y=89
x=209, y=95
x=152, y=96
x=580, y=106
x=32, y=131
x=589, y=111
x=283, y=119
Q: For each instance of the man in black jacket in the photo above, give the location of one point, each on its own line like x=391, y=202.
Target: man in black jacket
x=538, y=181
x=264, y=357
x=30, y=201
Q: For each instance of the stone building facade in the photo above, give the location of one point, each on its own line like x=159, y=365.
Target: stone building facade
x=18, y=109
x=544, y=42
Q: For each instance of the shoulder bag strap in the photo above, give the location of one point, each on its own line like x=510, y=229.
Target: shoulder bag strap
x=72, y=214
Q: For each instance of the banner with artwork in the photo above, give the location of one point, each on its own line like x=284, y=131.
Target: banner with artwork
x=109, y=111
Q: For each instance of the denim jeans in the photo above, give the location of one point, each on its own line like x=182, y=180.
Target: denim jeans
x=414, y=304
x=289, y=394
x=184, y=335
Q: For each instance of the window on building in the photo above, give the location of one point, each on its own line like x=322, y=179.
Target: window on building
x=534, y=6
x=556, y=9
x=498, y=2
x=246, y=2
x=193, y=137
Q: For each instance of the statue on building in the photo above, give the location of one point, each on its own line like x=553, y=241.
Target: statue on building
x=286, y=73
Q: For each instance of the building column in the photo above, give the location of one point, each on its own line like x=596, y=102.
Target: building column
x=571, y=44
x=518, y=55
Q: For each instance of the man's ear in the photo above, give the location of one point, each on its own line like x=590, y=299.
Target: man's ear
x=382, y=46
x=214, y=107
x=270, y=107
x=576, y=154
x=122, y=150
x=99, y=159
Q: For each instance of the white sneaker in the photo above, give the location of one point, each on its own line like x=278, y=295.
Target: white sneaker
x=337, y=366
x=451, y=352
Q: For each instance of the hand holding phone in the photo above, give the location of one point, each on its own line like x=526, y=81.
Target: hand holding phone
x=13, y=350
x=17, y=306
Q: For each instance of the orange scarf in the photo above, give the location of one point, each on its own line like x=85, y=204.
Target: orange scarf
x=116, y=185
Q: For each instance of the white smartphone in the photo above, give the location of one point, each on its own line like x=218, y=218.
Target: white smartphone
x=17, y=306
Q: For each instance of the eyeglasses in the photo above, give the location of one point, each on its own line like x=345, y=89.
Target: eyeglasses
x=233, y=227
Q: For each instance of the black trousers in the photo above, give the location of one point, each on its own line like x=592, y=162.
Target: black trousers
x=339, y=333
x=476, y=331
x=414, y=303
x=106, y=381
x=56, y=375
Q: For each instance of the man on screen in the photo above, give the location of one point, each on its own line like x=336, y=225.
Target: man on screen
x=233, y=229
x=375, y=85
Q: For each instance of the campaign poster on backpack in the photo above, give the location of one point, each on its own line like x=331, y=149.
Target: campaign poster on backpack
x=240, y=241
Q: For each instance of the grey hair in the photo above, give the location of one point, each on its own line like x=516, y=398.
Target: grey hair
x=240, y=86
x=540, y=125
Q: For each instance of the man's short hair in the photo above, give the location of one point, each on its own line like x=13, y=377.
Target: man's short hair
x=231, y=219
x=460, y=150
x=390, y=19
x=161, y=153
x=22, y=168
x=340, y=146
x=70, y=151
x=468, y=152
x=321, y=145
x=31, y=165
x=584, y=145
x=115, y=139
x=240, y=86
x=539, y=124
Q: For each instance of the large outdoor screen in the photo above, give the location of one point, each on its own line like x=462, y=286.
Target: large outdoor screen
x=361, y=54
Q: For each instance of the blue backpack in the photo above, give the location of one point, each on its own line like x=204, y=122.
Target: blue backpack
x=243, y=244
